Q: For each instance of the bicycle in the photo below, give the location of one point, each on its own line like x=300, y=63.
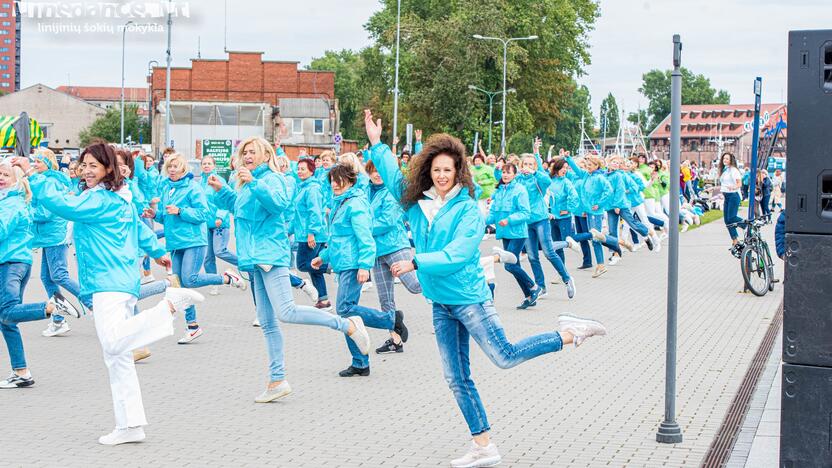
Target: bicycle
x=755, y=257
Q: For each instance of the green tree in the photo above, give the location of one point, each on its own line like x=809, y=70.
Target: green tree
x=613, y=122
x=639, y=119
x=108, y=126
x=696, y=89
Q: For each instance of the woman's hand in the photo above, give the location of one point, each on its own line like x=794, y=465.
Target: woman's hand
x=218, y=223
x=594, y=207
x=149, y=213
x=418, y=134
x=22, y=163
x=401, y=267
x=316, y=263
x=617, y=211
x=362, y=276
x=214, y=182
x=564, y=212
x=310, y=241
x=163, y=261
x=373, y=128
x=244, y=175
x=503, y=222
x=172, y=210
x=536, y=145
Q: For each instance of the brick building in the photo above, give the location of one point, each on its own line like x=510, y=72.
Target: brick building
x=244, y=96
x=9, y=47
x=703, y=125
x=108, y=96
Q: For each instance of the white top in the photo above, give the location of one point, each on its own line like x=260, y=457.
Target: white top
x=434, y=203
x=730, y=180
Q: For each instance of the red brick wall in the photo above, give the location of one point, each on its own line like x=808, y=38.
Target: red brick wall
x=244, y=77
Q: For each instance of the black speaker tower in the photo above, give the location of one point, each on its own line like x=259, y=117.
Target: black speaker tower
x=806, y=413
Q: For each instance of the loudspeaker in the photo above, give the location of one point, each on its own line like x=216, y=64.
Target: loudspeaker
x=807, y=300
x=806, y=417
x=809, y=171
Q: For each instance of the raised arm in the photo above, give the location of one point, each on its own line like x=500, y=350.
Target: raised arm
x=383, y=158
x=81, y=208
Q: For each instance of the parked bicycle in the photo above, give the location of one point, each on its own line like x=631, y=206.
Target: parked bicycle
x=755, y=257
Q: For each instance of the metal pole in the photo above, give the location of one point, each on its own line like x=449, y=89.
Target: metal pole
x=396, y=85
x=755, y=139
x=503, y=124
x=604, y=139
x=123, y=40
x=490, y=119
x=168, y=139
x=669, y=431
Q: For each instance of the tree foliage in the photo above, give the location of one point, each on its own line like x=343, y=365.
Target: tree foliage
x=613, y=121
x=108, y=126
x=696, y=89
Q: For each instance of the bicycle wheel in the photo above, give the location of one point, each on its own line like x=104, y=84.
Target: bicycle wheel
x=769, y=265
x=754, y=270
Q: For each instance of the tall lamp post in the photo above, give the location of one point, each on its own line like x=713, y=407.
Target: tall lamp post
x=396, y=84
x=168, y=139
x=490, y=95
x=505, y=62
x=123, y=41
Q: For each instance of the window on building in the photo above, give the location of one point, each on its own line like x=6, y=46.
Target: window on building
x=7, y=41
x=204, y=115
x=4, y=85
x=4, y=67
x=7, y=75
x=4, y=15
x=228, y=115
x=7, y=23
x=180, y=114
x=297, y=126
x=6, y=58
x=6, y=5
x=4, y=49
x=4, y=31
x=251, y=115
x=319, y=127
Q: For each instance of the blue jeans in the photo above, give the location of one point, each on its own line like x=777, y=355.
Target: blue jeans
x=454, y=324
x=53, y=274
x=186, y=265
x=515, y=246
x=305, y=257
x=540, y=234
x=275, y=303
x=597, y=222
x=561, y=229
x=218, y=247
x=730, y=209
x=582, y=227
x=765, y=204
x=346, y=305
x=627, y=216
x=146, y=260
x=13, y=277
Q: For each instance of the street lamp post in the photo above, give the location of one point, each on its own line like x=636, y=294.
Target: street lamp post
x=168, y=140
x=505, y=62
x=150, y=91
x=123, y=41
x=396, y=84
x=490, y=95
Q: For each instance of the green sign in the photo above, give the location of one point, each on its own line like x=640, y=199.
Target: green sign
x=221, y=151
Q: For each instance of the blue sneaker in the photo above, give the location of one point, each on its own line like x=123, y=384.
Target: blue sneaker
x=525, y=304
x=537, y=293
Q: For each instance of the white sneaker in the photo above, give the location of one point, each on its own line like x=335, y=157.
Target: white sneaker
x=255, y=323
x=235, y=280
x=214, y=291
x=181, y=298
x=366, y=286
x=614, y=260
x=56, y=329
x=598, y=235
x=657, y=242
x=396, y=280
x=637, y=247
x=147, y=279
x=573, y=244
x=478, y=456
x=190, y=335
x=278, y=392
x=360, y=335
x=506, y=257
x=685, y=227
x=63, y=307
x=123, y=436
x=581, y=328
x=310, y=292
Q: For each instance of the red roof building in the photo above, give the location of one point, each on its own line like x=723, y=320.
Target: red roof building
x=107, y=96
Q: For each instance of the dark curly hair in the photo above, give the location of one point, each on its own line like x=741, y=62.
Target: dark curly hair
x=106, y=156
x=419, y=178
x=342, y=175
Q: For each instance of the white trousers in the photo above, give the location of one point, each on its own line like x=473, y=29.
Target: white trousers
x=654, y=209
x=120, y=332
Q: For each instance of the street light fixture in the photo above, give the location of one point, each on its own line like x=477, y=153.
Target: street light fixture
x=490, y=95
x=123, y=40
x=150, y=91
x=505, y=43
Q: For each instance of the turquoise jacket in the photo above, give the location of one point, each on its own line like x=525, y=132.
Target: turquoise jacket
x=323, y=176
x=388, y=222
x=75, y=185
x=308, y=211
x=579, y=177
x=108, y=235
x=188, y=228
x=149, y=180
x=214, y=213
x=447, y=249
x=260, y=209
x=511, y=202
x=16, y=230
x=597, y=191
x=50, y=230
x=622, y=186
x=536, y=185
x=351, y=245
x=564, y=198
x=635, y=197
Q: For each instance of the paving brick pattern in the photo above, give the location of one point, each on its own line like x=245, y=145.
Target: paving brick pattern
x=598, y=405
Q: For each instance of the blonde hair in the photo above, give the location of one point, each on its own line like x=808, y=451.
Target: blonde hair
x=176, y=159
x=262, y=148
x=328, y=154
x=615, y=157
x=598, y=161
x=351, y=160
x=21, y=181
x=282, y=163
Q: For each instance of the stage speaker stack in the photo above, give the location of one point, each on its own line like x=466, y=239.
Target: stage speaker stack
x=806, y=411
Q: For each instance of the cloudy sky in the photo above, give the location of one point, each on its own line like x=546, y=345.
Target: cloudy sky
x=730, y=41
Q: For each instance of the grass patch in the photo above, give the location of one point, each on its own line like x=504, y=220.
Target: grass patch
x=744, y=203
x=709, y=216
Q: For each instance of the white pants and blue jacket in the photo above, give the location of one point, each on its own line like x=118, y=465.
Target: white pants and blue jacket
x=109, y=237
x=261, y=208
x=447, y=234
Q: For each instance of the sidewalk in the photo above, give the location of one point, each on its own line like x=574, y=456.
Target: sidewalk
x=598, y=405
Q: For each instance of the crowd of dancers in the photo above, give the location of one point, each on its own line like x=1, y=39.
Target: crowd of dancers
x=415, y=219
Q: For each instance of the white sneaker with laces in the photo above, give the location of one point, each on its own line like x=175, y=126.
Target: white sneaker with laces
x=235, y=280
x=123, y=436
x=360, y=335
x=478, y=456
x=190, y=335
x=255, y=323
x=366, y=286
x=506, y=257
x=56, y=329
x=310, y=291
x=614, y=260
x=181, y=298
x=657, y=242
x=573, y=244
x=580, y=328
x=63, y=307
x=270, y=395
